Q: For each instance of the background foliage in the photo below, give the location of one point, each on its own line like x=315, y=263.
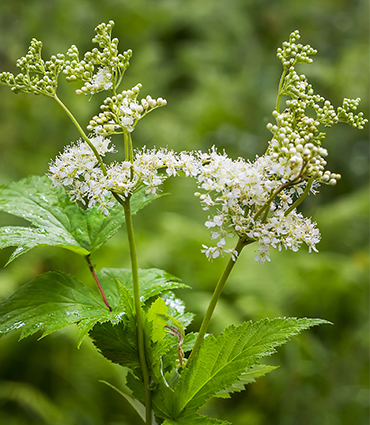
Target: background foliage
x=214, y=62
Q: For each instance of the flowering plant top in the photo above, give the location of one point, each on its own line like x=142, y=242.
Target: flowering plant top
x=136, y=320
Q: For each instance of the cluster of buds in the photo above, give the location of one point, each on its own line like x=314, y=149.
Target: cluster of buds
x=292, y=53
x=100, y=70
x=120, y=113
x=36, y=76
x=295, y=150
x=345, y=113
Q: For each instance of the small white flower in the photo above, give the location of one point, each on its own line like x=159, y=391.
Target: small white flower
x=102, y=80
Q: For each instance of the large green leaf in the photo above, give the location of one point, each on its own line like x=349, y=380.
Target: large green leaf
x=51, y=301
x=57, y=221
x=54, y=300
x=220, y=362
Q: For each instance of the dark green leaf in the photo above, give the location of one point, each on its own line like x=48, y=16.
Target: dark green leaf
x=50, y=302
x=118, y=343
x=57, y=220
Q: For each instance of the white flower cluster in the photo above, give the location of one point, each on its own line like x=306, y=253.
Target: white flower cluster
x=251, y=204
x=149, y=168
x=284, y=231
x=292, y=153
x=242, y=192
x=78, y=170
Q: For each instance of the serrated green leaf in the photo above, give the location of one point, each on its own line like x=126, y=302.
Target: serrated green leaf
x=50, y=302
x=245, y=379
x=152, y=281
x=136, y=386
x=118, y=343
x=58, y=221
x=219, y=362
x=120, y=301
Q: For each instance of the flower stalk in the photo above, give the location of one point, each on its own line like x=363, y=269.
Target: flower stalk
x=242, y=242
x=83, y=134
x=137, y=304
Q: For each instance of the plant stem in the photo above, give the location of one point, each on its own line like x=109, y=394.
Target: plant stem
x=97, y=282
x=139, y=318
x=301, y=198
x=83, y=134
x=280, y=91
x=215, y=297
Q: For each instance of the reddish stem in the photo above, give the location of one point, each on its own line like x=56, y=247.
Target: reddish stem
x=97, y=282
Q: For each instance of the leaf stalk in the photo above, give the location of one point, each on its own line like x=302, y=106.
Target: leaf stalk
x=91, y=267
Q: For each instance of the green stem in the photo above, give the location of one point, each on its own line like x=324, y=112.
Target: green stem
x=83, y=134
x=139, y=317
x=280, y=91
x=127, y=146
x=301, y=198
x=215, y=297
x=265, y=207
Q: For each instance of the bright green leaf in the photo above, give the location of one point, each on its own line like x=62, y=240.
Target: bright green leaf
x=246, y=378
x=220, y=362
x=157, y=316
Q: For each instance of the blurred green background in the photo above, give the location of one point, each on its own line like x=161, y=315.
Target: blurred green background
x=214, y=61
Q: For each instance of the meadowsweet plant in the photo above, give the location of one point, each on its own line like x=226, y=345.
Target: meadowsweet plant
x=134, y=317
